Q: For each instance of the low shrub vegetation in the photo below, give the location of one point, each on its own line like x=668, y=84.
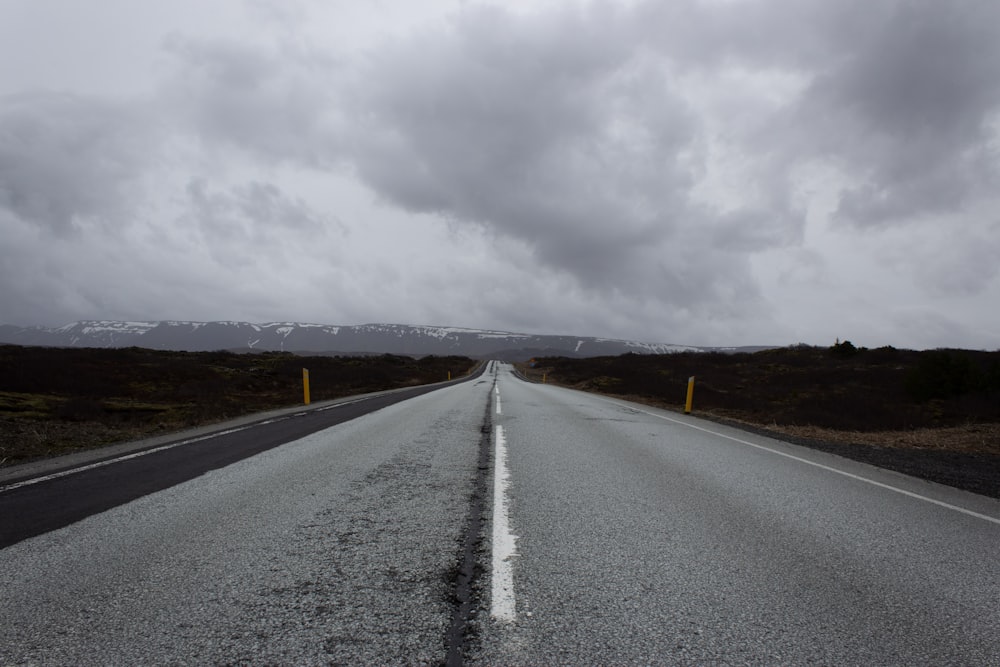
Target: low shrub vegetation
x=842, y=387
x=55, y=400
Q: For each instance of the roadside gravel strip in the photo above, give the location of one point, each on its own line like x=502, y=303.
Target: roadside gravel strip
x=342, y=547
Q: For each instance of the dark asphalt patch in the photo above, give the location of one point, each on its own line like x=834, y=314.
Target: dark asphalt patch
x=469, y=569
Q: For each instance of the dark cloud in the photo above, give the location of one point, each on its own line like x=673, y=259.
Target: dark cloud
x=570, y=130
x=967, y=265
x=796, y=35
x=648, y=169
x=65, y=158
x=272, y=101
x=903, y=96
x=239, y=223
x=907, y=108
x=258, y=210
x=550, y=129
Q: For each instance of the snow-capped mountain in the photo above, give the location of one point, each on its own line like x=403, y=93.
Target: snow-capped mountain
x=313, y=338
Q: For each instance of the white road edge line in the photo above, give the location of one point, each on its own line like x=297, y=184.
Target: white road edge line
x=889, y=487
x=99, y=464
x=338, y=405
x=134, y=455
x=503, y=607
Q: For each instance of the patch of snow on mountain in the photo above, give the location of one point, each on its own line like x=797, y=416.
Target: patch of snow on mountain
x=108, y=330
x=648, y=348
x=659, y=348
x=286, y=328
x=431, y=332
x=92, y=327
x=500, y=334
x=442, y=333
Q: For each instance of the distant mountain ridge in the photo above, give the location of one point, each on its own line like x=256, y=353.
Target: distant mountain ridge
x=322, y=338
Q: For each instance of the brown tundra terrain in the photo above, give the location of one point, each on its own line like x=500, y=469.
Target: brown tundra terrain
x=59, y=400
x=933, y=414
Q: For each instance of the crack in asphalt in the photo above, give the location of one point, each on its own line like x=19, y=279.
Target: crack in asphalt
x=469, y=569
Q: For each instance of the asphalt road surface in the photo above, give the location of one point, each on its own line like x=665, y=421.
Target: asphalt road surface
x=646, y=537
x=596, y=532
x=31, y=507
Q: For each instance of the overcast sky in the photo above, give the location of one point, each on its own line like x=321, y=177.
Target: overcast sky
x=706, y=172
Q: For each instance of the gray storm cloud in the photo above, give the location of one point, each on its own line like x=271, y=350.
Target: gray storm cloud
x=554, y=131
x=65, y=157
x=275, y=102
x=914, y=110
x=658, y=160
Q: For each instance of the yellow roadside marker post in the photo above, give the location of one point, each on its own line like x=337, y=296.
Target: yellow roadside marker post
x=305, y=385
x=690, y=396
